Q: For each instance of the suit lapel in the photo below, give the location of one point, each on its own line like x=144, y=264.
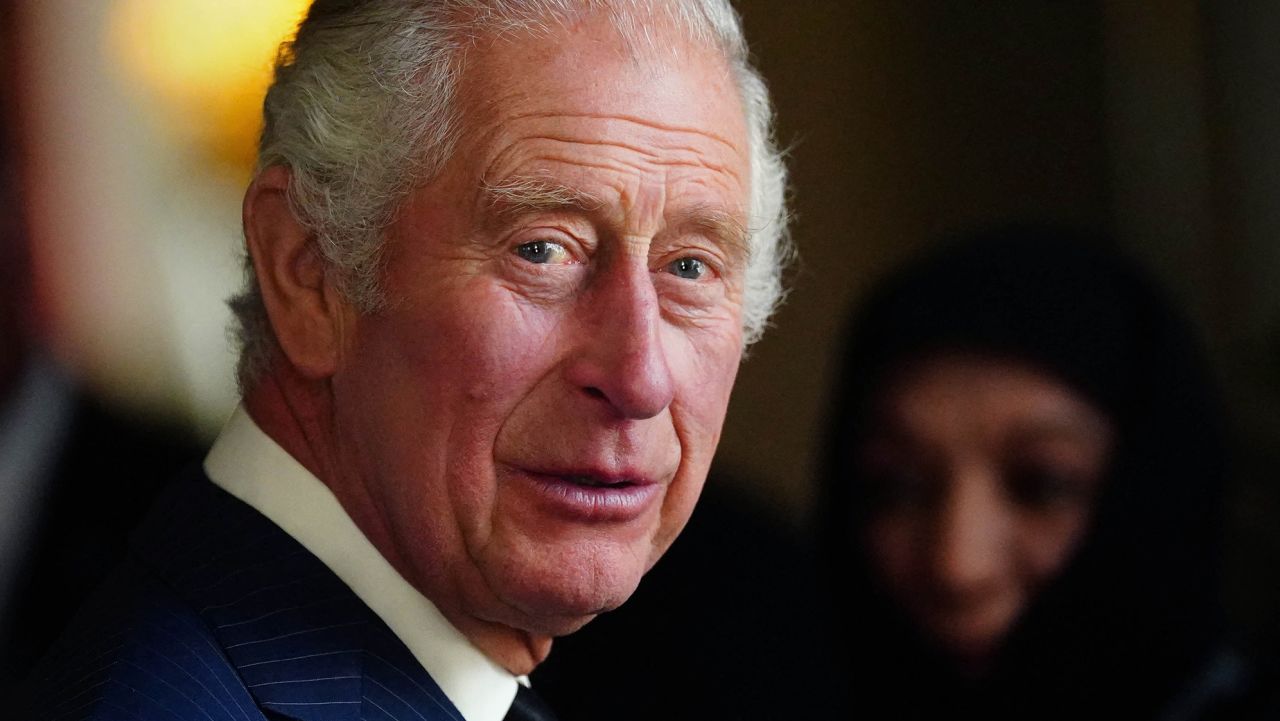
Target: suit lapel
x=304, y=645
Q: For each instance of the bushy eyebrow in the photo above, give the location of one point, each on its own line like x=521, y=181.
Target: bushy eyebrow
x=722, y=227
x=521, y=195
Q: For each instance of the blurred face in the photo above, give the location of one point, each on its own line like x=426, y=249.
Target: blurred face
x=532, y=417
x=984, y=474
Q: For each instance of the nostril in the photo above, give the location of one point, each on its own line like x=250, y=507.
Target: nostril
x=594, y=392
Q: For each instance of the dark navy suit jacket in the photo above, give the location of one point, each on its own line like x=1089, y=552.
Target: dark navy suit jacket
x=218, y=615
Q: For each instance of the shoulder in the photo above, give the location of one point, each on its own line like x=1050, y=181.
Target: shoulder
x=1235, y=684
x=136, y=652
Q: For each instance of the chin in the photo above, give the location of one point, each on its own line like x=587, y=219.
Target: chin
x=973, y=649
x=555, y=627
x=551, y=614
x=557, y=598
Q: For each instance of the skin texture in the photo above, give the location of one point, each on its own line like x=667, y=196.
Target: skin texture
x=985, y=473
x=565, y=306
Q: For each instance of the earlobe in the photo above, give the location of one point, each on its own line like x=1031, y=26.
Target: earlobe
x=306, y=312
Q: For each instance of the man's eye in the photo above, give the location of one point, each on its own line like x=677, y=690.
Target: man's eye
x=543, y=251
x=687, y=268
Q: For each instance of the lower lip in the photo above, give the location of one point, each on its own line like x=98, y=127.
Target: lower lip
x=592, y=504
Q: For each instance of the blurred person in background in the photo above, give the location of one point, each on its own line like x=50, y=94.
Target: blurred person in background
x=1024, y=496
x=76, y=471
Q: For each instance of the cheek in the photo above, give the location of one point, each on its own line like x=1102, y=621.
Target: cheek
x=489, y=345
x=1049, y=539
x=697, y=412
x=485, y=366
x=704, y=365
x=433, y=384
x=704, y=370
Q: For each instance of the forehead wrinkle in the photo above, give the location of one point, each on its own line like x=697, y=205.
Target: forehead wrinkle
x=656, y=171
x=649, y=123
x=694, y=158
x=649, y=164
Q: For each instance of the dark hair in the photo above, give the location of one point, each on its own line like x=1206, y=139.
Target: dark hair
x=1137, y=607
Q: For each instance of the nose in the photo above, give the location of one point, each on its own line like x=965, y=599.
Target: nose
x=971, y=541
x=621, y=360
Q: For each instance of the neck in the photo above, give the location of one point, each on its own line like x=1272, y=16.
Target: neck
x=516, y=650
x=285, y=410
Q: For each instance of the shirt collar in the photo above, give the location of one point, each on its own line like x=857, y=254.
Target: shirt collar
x=248, y=464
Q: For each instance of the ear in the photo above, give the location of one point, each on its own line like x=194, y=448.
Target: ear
x=306, y=311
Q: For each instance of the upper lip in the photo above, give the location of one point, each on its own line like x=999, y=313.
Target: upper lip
x=598, y=476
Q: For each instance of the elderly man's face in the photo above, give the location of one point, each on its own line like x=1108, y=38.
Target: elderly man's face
x=534, y=414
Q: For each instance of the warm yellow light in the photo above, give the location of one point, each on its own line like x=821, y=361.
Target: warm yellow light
x=207, y=62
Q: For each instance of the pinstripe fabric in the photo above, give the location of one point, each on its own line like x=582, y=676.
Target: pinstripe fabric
x=218, y=615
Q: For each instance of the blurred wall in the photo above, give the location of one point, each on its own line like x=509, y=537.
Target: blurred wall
x=1243, y=108
x=136, y=158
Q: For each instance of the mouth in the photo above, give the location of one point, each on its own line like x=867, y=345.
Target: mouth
x=592, y=497
x=974, y=633
x=589, y=481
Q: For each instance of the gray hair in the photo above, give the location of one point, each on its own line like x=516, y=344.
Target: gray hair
x=362, y=111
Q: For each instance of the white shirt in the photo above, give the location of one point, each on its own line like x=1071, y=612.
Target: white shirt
x=251, y=466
